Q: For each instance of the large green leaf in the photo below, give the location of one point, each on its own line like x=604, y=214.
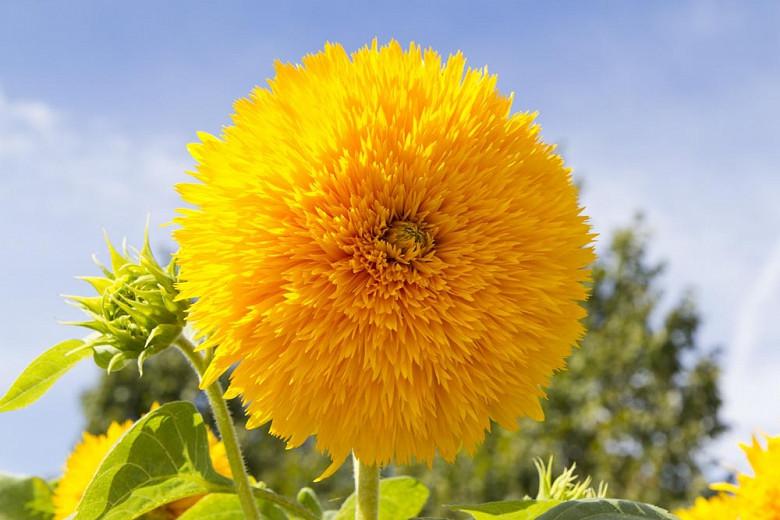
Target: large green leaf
x=162, y=458
x=606, y=509
x=218, y=506
x=226, y=506
x=39, y=375
x=24, y=498
x=507, y=509
x=400, y=498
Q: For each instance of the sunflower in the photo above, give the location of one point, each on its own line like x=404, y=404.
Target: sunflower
x=390, y=256
x=718, y=507
x=754, y=497
x=86, y=457
x=758, y=495
x=81, y=466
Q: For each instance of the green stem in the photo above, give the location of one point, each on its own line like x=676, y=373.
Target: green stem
x=366, y=490
x=227, y=431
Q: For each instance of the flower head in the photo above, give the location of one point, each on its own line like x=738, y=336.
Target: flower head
x=758, y=495
x=86, y=457
x=755, y=497
x=136, y=312
x=392, y=258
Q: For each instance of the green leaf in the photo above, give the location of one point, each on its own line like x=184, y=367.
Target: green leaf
x=606, y=509
x=400, y=498
x=25, y=498
x=508, y=509
x=227, y=506
x=164, y=457
x=42, y=373
x=308, y=499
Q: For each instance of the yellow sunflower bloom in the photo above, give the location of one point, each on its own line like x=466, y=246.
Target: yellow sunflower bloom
x=754, y=497
x=86, y=457
x=718, y=507
x=758, y=495
x=392, y=258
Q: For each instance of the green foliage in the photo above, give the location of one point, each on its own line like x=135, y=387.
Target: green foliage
x=566, y=485
x=605, y=509
x=25, y=498
x=162, y=458
x=42, y=373
x=217, y=506
x=169, y=377
x=400, y=498
x=527, y=509
x=226, y=506
x=552, y=492
x=590, y=508
x=307, y=497
x=124, y=395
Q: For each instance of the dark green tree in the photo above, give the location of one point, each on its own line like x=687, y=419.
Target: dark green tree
x=635, y=408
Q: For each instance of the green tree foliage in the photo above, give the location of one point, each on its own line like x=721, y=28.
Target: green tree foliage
x=635, y=408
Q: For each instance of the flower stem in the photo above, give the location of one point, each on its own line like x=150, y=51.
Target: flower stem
x=366, y=490
x=227, y=431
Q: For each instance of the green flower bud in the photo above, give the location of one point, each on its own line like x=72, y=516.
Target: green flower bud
x=136, y=312
x=566, y=486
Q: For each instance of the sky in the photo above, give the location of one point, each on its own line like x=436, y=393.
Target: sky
x=669, y=108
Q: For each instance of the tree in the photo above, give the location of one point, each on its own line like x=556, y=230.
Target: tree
x=635, y=408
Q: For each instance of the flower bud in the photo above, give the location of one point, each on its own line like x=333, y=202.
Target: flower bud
x=136, y=312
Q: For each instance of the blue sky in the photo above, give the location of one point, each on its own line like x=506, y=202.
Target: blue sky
x=667, y=107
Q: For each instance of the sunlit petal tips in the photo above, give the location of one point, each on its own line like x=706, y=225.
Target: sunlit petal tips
x=389, y=255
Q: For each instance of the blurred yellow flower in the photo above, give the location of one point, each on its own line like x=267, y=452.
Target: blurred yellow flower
x=754, y=497
x=80, y=467
x=392, y=258
x=86, y=457
x=718, y=507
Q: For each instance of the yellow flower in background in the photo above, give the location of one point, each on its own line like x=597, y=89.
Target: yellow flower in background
x=391, y=257
x=86, y=457
x=81, y=466
x=758, y=495
x=718, y=507
x=755, y=497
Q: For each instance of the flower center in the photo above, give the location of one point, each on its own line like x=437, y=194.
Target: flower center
x=407, y=240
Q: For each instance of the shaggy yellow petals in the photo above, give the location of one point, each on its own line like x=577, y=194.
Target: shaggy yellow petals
x=85, y=460
x=759, y=495
x=390, y=256
x=718, y=507
x=754, y=497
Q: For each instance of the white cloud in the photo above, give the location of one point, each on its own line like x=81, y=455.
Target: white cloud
x=68, y=162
